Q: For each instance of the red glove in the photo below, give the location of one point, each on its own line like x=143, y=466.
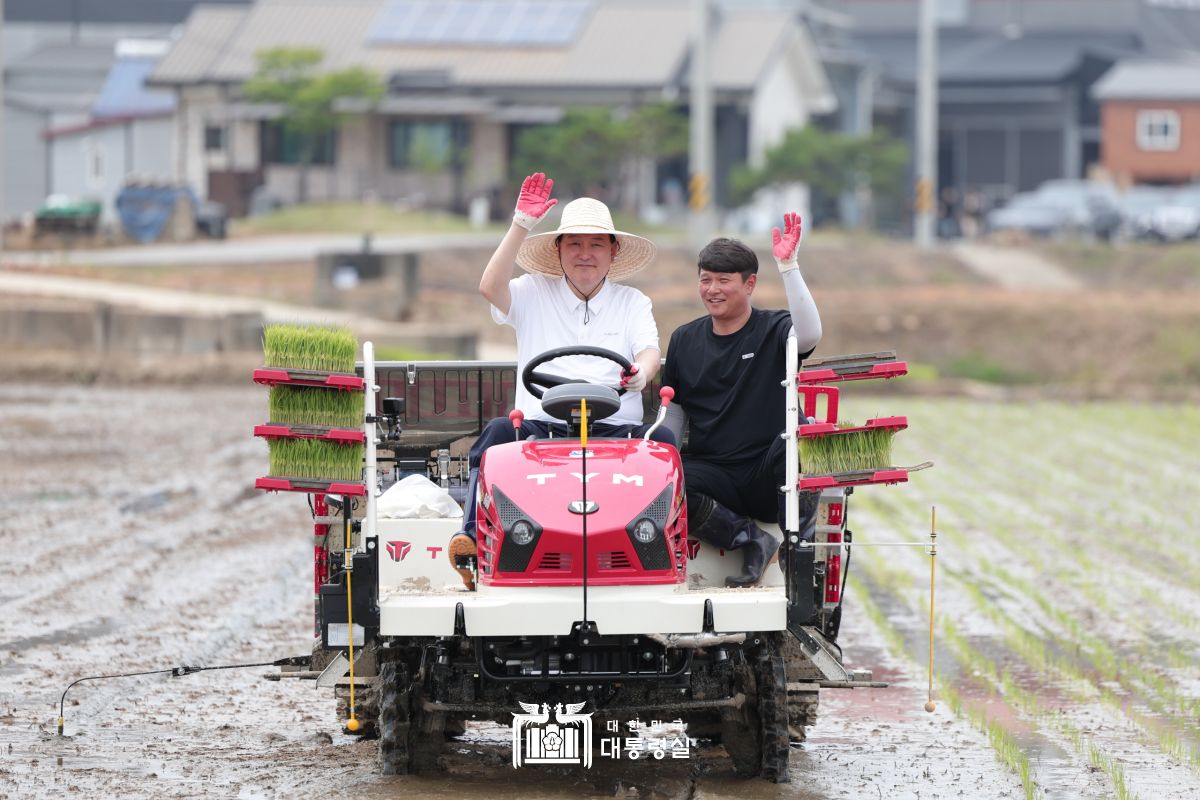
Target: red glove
x=786, y=244
x=534, y=201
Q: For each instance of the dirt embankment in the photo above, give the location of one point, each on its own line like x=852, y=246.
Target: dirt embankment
x=1130, y=330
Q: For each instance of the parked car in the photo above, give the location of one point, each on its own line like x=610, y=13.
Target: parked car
x=1178, y=217
x=1060, y=206
x=1136, y=206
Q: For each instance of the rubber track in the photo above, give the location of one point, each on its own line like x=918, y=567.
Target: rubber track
x=773, y=716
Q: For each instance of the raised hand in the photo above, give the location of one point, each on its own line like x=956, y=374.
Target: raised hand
x=786, y=244
x=534, y=201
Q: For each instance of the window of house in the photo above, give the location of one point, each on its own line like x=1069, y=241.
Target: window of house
x=1158, y=130
x=427, y=145
x=214, y=138
x=279, y=145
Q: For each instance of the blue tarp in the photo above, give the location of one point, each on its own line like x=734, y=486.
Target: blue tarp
x=145, y=210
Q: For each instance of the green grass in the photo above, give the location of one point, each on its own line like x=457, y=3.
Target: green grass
x=846, y=452
x=309, y=458
x=397, y=353
x=326, y=349
x=979, y=367
x=300, y=405
x=354, y=218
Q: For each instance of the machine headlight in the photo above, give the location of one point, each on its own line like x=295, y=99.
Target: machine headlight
x=645, y=531
x=521, y=533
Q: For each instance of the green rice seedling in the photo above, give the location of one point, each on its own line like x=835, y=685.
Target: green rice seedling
x=846, y=452
x=304, y=405
x=311, y=458
x=314, y=347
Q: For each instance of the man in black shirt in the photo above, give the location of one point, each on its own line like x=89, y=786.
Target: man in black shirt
x=726, y=369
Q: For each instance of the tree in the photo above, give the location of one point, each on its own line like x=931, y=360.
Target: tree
x=290, y=77
x=830, y=164
x=589, y=149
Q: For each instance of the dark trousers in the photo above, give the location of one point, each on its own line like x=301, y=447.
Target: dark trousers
x=501, y=431
x=746, y=490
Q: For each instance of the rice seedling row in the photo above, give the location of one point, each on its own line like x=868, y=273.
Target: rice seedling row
x=1049, y=573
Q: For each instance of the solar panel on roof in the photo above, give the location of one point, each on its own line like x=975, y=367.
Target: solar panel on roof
x=504, y=23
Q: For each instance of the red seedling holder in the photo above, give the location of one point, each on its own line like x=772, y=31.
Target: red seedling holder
x=831, y=429
x=337, y=435
x=860, y=478
x=892, y=369
x=268, y=376
x=310, y=485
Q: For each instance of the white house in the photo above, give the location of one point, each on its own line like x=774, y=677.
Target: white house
x=471, y=73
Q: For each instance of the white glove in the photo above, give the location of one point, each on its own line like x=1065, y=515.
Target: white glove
x=634, y=380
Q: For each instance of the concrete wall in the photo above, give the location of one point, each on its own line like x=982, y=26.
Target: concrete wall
x=86, y=327
x=778, y=105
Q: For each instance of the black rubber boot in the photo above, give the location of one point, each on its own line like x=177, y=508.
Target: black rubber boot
x=757, y=554
x=711, y=522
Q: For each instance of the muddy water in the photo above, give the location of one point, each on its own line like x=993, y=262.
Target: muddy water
x=132, y=543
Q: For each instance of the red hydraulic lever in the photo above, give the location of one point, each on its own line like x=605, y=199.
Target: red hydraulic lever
x=517, y=418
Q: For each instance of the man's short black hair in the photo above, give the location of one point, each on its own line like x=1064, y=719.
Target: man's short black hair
x=728, y=255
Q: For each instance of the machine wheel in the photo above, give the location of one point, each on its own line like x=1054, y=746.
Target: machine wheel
x=803, y=699
x=741, y=731
x=410, y=738
x=756, y=735
x=773, y=717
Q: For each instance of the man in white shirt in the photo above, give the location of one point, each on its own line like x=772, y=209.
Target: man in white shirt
x=568, y=297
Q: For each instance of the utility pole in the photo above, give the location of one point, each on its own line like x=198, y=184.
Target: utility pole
x=927, y=127
x=701, y=219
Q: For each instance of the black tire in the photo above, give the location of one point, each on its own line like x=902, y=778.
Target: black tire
x=773, y=717
x=394, y=721
x=756, y=735
x=410, y=738
x=741, y=731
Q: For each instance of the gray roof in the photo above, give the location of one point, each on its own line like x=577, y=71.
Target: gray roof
x=66, y=57
x=1150, y=80
x=103, y=11
x=994, y=58
x=635, y=44
x=204, y=39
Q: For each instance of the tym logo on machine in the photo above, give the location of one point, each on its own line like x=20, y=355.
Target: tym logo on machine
x=397, y=550
x=563, y=735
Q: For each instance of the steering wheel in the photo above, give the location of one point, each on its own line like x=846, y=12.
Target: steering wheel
x=536, y=382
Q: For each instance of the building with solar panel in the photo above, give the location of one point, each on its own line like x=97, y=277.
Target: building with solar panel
x=464, y=78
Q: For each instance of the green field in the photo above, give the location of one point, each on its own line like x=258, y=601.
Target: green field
x=1068, y=582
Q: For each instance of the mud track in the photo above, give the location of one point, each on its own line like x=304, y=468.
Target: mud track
x=132, y=542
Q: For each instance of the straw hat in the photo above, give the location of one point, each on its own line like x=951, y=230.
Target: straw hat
x=585, y=215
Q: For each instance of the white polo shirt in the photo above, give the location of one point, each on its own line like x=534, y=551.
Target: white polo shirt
x=546, y=314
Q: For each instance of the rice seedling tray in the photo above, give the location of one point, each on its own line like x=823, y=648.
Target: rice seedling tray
x=864, y=366
x=273, y=483
x=268, y=376
x=277, y=430
x=857, y=478
x=860, y=477
x=831, y=428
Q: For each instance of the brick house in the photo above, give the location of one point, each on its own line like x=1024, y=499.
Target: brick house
x=1150, y=121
